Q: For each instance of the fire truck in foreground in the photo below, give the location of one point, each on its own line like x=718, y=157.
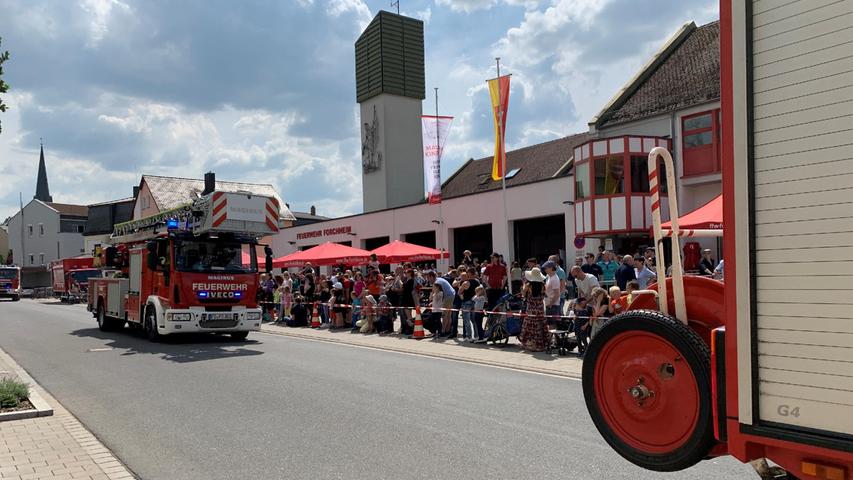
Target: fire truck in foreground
x=10, y=282
x=70, y=277
x=191, y=269
x=761, y=368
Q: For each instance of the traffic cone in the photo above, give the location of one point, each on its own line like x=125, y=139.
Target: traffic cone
x=419, y=325
x=315, y=317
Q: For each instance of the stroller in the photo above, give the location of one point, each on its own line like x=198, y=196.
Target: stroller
x=563, y=339
x=500, y=326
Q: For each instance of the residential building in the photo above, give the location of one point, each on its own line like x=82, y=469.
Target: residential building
x=4, y=244
x=674, y=102
x=43, y=232
x=157, y=194
x=101, y=219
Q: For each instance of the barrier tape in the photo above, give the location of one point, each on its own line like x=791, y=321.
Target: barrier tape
x=485, y=312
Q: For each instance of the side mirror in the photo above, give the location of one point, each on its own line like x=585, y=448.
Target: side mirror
x=268, y=259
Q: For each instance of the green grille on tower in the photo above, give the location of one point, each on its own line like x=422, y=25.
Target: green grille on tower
x=389, y=57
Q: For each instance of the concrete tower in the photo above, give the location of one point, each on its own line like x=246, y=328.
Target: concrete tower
x=42, y=188
x=389, y=76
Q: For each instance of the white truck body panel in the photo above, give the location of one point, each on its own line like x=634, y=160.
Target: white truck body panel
x=802, y=228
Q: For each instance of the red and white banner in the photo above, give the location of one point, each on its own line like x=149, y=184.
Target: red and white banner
x=435, y=131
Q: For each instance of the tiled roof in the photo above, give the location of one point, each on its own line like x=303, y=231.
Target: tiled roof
x=689, y=75
x=536, y=163
x=110, y=202
x=69, y=210
x=171, y=192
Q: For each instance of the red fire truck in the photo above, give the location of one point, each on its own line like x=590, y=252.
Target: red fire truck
x=10, y=282
x=70, y=278
x=191, y=269
x=760, y=367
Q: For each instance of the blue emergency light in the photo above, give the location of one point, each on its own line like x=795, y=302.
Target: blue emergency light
x=202, y=294
x=238, y=294
x=171, y=224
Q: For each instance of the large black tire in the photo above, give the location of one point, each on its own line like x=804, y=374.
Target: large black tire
x=151, y=325
x=104, y=323
x=691, y=353
x=239, y=335
x=15, y=298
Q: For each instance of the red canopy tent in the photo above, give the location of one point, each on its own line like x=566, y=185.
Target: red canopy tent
x=324, y=254
x=399, y=252
x=706, y=217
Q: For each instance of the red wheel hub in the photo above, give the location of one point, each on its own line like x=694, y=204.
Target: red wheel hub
x=646, y=392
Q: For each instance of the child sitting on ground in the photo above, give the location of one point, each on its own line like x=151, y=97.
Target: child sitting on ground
x=298, y=314
x=384, y=315
x=368, y=314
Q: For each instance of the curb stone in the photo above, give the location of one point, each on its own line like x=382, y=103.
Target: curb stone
x=68, y=448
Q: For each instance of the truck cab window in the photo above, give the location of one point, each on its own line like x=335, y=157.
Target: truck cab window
x=211, y=256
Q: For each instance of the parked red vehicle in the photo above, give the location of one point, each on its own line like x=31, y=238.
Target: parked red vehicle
x=70, y=278
x=10, y=282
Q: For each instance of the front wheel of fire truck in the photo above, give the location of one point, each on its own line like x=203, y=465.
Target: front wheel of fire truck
x=151, y=325
x=15, y=298
x=647, y=386
x=104, y=325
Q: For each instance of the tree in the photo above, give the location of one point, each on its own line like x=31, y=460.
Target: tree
x=4, y=87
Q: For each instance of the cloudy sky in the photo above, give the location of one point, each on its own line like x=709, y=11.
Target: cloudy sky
x=264, y=90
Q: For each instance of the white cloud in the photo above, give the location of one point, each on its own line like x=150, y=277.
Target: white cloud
x=467, y=6
x=336, y=8
x=100, y=12
x=425, y=15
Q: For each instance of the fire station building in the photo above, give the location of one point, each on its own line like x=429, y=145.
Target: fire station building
x=564, y=196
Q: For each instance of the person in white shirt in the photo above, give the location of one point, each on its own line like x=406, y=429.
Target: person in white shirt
x=584, y=282
x=552, y=290
x=643, y=274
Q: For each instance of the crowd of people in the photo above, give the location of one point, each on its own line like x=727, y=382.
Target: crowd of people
x=366, y=300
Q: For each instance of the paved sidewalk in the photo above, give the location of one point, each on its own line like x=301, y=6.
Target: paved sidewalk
x=57, y=447
x=511, y=356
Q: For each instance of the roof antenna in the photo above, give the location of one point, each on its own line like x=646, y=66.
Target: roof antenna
x=396, y=4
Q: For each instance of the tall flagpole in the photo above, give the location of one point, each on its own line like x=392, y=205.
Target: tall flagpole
x=440, y=238
x=502, y=152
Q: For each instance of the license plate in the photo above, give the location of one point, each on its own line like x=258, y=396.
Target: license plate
x=220, y=316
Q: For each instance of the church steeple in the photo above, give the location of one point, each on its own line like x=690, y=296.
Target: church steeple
x=42, y=189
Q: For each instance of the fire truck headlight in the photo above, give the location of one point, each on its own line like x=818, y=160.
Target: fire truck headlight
x=250, y=316
x=180, y=317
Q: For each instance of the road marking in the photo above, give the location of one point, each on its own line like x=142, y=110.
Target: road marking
x=100, y=349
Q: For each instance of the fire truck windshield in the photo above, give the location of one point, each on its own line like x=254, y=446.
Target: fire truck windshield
x=8, y=273
x=212, y=256
x=83, y=276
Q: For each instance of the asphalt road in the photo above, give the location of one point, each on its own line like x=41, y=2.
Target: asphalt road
x=276, y=407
